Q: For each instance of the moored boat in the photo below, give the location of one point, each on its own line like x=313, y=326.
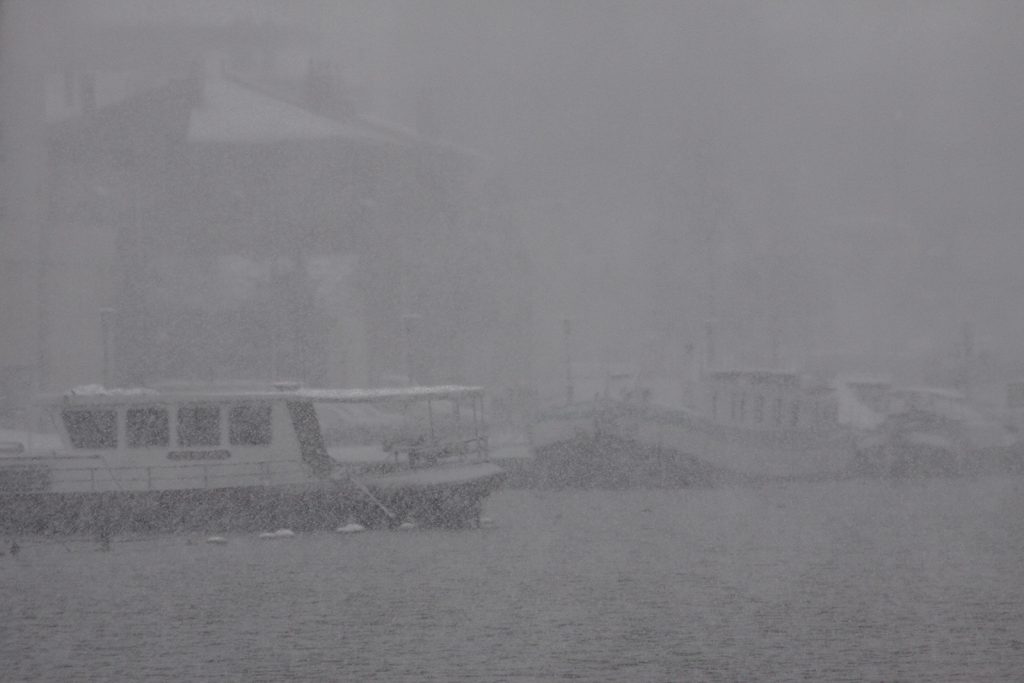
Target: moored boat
x=930, y=431
x=232, y=458
x=752, y=425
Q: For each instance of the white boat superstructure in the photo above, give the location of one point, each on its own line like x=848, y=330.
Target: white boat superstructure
x=129, y=443
x=753, y=423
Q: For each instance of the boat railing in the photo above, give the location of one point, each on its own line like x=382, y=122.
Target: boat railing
x=423, y=453
x=97, y=476
x=92, y=474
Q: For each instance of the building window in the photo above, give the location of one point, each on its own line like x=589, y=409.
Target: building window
x=1015, y=395
x=249, y=425
x=91, y=428
x=199, y=424
x=147, y=426
x=88, y=92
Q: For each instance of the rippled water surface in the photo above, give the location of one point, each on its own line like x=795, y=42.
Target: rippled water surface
x=829, y=582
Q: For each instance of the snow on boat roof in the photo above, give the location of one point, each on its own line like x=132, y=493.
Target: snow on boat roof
x=864, y=380
x=755, y=375
x=399, y=394
x=98, y=395
x=759, y=372
x=929, y=391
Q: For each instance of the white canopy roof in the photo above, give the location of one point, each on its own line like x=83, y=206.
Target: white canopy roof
x=97, y=395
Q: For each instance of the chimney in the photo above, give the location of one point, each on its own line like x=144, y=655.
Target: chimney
x=195, y=82
x=87, y=89
x=319, y=85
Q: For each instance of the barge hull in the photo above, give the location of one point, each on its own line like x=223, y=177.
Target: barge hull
x=243, y=509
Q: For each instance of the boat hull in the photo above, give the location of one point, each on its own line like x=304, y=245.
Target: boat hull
x=608, y=461
x=454, y=502
x=749, y=453
x=921, y=443
x=438, y=497
x=911, y=458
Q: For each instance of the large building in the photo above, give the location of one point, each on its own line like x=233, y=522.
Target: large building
x=204, y=219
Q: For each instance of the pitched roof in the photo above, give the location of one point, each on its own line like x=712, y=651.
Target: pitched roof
x=235, y=113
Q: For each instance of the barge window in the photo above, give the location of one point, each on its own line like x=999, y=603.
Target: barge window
x=249, y=425
x=147, y=427
x=91, y=428
x=199, y=424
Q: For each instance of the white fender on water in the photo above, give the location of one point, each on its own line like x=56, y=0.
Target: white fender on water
x=406, y=526
x=280, y=533
x=217, y=540
x=350, y=528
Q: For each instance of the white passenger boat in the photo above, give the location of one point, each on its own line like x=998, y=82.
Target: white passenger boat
x=228, y=458
x=758, y=424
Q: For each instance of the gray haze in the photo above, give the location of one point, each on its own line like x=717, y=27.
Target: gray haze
x=516, y=194
x=805, y=184
x=854, y=167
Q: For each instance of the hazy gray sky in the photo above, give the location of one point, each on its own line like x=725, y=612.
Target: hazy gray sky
x=870, y=147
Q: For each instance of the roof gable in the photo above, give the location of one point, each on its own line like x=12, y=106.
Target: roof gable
x=235, y=113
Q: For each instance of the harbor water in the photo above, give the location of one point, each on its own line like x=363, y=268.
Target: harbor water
x=843, y=581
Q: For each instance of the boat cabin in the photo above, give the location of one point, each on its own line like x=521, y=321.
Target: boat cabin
x=947, y=403
x=768, y=399
x=147, y=439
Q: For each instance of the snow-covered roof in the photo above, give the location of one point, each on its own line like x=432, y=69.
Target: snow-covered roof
x=395, y=394
x=97, y=395
x=753, y=372
x=232, y=112
x=864, y=380
x=757, y=376
x=938, y=392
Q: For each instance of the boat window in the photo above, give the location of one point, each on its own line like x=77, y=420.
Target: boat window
x=199, y=424
x=147, y=427
x=778, y=411
x=759, y=409
x=794, y=417
x=249, y=424
x=91, y=428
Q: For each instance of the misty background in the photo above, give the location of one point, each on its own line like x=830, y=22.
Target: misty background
x=365, y=192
